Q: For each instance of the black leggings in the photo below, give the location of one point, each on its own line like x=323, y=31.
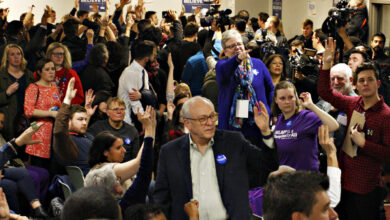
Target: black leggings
x=17, y=181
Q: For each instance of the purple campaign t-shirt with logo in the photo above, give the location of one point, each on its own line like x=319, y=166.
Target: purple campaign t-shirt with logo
x=296, y=139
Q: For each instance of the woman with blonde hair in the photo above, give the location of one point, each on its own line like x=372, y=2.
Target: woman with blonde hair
x=14, y=79
x=60, y=55
x=275, y=29
x=296, y=129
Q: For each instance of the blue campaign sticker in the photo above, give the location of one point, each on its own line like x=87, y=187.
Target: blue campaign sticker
x=127, y=141
x=221, y=159
x=289, y=123
x=55, y=96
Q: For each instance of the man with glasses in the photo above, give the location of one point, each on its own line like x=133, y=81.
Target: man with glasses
x=239, y=90
x=116, y=113
x=207, y=165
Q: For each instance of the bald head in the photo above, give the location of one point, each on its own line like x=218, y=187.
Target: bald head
x=194, y=101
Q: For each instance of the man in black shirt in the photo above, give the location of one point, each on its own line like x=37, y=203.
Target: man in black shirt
x=116, y=113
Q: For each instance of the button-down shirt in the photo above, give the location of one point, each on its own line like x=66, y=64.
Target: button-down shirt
x=205, y=187
x=361, y=174
x=132, y=78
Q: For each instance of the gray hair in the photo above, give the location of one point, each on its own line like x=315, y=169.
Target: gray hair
x=229, y=34
x=104, y=176
x=342, y=67
x=187, y=105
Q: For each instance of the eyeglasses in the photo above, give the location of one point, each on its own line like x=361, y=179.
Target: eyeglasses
x=203, y=120
x=58, y=54
x=117, y=109
x=240, y=44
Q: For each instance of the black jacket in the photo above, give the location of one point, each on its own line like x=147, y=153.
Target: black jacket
x=174, y=185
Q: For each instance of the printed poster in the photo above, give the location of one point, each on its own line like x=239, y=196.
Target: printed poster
x=277, y=8
x=191, y=5
x=86, y=5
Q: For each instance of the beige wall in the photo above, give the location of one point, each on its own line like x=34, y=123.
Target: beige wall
x=253, y=6
x=295, y=11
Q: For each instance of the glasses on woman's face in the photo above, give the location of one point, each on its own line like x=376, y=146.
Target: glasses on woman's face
x=232, y=46
x=203, y=120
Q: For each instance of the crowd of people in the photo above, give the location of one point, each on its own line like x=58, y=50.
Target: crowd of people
x=191, y=117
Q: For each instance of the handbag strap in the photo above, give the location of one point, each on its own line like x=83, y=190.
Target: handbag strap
x=37, y=93
x=62, y=78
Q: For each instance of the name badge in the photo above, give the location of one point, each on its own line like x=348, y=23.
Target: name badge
x=342, y=119
x=242, y=107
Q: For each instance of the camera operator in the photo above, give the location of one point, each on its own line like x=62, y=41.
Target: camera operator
x=318, y=39
x=303, y=69
x=307, y=34
x=358, y=25
x=261, y=21
x=275, y=30
x=271, y=40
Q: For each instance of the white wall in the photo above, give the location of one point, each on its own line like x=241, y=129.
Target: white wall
x=253, y=7
x=295, y=11
x=18, y=7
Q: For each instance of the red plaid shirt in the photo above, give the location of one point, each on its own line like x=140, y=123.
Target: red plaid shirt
x=362, y=173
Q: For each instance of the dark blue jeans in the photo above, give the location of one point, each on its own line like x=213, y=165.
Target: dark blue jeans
x=17, y=181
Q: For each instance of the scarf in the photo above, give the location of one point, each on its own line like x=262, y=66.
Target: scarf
x=244, y=77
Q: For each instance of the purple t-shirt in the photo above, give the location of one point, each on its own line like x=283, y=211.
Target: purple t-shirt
x=296, y=139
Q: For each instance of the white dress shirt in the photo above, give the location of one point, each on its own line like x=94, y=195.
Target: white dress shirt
x=132, y=78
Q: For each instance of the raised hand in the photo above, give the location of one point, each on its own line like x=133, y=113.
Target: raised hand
x=172, y=14
x=183, y=10
x=89, y=97
x=5, y=12
x=76, y=4
x=70, y=91
x=26, y=136
x=129, y=21
x=262, y=119
x=170, y=108
x=325, y=141
x=328, y=55
x=306, y=99
x=148, y=120
x=197, y=10
x=327, y=144
x=94, y=8
x=244, y=54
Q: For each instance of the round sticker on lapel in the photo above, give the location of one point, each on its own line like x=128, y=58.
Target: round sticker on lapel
x=221, y=159
x=127, y=141
x=289, y=123
x=55, y=96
